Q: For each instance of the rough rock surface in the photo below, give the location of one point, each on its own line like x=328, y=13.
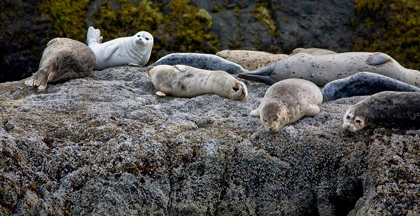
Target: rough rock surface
x=106, y=145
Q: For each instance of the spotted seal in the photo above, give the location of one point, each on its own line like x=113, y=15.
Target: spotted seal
x=385, y=109
x=322, y=69
x=363, y=83
x=62, y=59
x=186, y=81
x=286, y=102
x=201, y=61
x=250, y=60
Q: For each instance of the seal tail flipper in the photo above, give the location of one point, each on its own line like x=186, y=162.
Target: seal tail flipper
x=93, y=36
x=259, y=78
x=241, y=91
x=260, y=75
x=39, y=78
x=378, y=58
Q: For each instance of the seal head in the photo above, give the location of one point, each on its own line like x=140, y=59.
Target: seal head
x=274, y=116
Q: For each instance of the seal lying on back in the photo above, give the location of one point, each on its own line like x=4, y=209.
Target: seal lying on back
x=134, y=50
x=186, y=81
x=286, y=102
x=322, y=69
x=63, y=59
x=363, y=83
x=387, y=109
x=201, y=61
x=251, y=60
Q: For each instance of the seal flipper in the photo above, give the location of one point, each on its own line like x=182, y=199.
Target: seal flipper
x=94, y=36
x=39, y=78
x=311, y=110
x=261, y=75
x=109, y=51
x=378, y=58
x=160, y=94
x=255, y=113
x=259, y=78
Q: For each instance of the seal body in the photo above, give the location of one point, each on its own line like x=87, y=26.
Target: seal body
x=62, y=59
x=134, y=50
x=286, y=102
x=201, y=61
x=387, y=109
x=186, y=81
x=322, y=69
x=363, y=83
x=251, y=60
x=312, y=51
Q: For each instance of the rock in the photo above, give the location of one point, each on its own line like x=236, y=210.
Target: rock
x=106, y=145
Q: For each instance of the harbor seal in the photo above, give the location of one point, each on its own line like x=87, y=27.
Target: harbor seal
x=312, y=51
x=186, y=81
x=363, y=83
x=386, y=109
x=201, y=61
x=322, y=69
x=286, y=102
x=134, y=50
x=250, y=60
x=62, y=59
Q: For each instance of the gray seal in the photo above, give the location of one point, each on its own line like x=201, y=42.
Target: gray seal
x=201, y=61
x=63, y=59
x=385, y=109
x=363, y=83
x=322, y=69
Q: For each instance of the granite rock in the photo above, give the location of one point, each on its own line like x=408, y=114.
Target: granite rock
x=107, y=145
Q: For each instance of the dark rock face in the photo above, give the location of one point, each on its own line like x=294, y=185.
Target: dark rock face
x=321, y=24
x=23, y=36
x=106, y=145
x=273, y=26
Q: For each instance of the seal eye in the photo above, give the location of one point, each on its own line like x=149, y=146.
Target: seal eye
x=147, y=38
x=348, y=117
x=138, y=35
x=358, y=122
x=275, y=119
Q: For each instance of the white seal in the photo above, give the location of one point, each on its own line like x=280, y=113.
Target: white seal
x=134, y=50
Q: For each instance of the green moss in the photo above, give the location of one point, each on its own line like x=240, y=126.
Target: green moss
x=263, y=13
x=391, y=27
x=68, y=18
x=189, y=29
x=184, y=29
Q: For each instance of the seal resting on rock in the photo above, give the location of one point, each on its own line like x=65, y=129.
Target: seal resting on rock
x=186, y=81
x=201, y=61
x=251, y=60
x=387, y=109
x=134, y=50
x=286, y=102
x=312, y=51
x=322, y=69
x=63, y=59
x=363, y=83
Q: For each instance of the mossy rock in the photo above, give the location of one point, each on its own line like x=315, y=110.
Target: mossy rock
x=392, y=27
